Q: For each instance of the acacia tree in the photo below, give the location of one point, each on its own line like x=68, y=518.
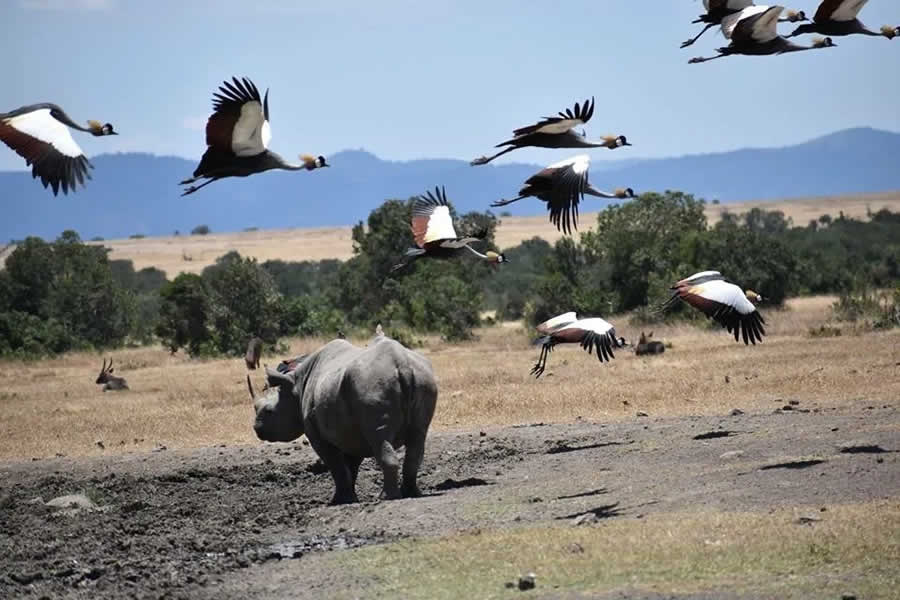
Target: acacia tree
x=427, y=295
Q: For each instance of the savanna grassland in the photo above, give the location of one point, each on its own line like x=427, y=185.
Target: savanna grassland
x=712, y=471
x=192, y=253
x=54, y=407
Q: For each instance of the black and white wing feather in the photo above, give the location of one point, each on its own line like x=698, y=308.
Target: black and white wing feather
x=47, y=146
x=572, y=117
x=240, y=120
x=431, y=222
x=561, y=186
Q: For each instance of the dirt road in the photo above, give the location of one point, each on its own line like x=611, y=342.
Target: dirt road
x=225, y=522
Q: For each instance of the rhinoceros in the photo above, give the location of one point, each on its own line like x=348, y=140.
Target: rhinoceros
x=352, y=403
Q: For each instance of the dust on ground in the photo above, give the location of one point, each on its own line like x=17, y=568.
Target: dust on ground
x=232, y=521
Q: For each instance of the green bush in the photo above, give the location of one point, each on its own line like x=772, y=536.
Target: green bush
x=878, y=309
x=72, y=285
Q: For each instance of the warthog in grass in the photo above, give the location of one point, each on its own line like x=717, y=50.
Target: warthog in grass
x=647, y=346
x=254, y=351
x=110, y=381
x=352, y=403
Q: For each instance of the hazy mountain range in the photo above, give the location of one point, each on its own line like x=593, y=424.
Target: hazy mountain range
x=139, y=193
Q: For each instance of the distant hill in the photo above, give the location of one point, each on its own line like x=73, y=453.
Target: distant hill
x=138, y=193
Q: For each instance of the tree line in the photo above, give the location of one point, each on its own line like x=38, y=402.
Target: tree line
x=66, y=295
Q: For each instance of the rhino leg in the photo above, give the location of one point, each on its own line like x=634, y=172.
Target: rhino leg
x=415, y=452
x=387, y=460
x=353, y=463
x=344, y=479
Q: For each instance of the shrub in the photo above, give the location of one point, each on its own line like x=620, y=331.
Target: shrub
x=200, y=230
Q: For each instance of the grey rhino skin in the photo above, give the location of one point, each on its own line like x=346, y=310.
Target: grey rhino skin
x=352, y=403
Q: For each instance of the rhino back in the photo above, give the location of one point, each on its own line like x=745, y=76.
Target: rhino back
x=357, y=391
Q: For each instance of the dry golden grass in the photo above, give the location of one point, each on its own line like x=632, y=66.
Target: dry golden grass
x=733, y=553
x=54, y=407
x=167, y=253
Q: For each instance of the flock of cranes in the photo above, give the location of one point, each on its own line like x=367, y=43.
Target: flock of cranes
x=238, y=134
x=753, y=29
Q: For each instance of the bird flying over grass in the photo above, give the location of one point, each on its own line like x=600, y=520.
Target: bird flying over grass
x=722, y=301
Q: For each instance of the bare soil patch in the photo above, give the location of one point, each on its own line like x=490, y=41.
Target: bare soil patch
x=225, y=522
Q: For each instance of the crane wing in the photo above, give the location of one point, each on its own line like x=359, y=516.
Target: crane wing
x=557, y=322
x=568, y=180
x=730, y=23
x=240, y=121
x=698, y=278
x=573, y=117
x=838, y=10
x=726, y=304
x=599, y=335
x=46, y=145
x=431, y=220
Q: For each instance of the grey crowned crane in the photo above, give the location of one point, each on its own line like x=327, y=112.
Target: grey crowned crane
x=838, y=17
x=39, y=133
x=722, y=301
x=238, y=135
x=717, y=10
x=433, y=231
x=593, y=334
x=557, y=132
x=562, y=186
x=753, y=31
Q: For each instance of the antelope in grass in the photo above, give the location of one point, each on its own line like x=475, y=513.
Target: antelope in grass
x=647, y=346
x=110, y=382
x=254, y=350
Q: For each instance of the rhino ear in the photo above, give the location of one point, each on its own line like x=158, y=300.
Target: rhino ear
x=275, y=378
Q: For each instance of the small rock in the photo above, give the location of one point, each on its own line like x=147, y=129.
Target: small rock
x=727, y=379
x=587, y=518
x=456, y=394
x=25, y=578
x=482, y=433
x=641, y=413
x=731, y=454
x=736, y=412
x=848, y=596
x=526, y=582
x=100, y=444
x=625, y=402
x=794, y=402
x=75, y=501
x=159, y=448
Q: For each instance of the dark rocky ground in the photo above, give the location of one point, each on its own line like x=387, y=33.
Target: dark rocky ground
x=214, y=522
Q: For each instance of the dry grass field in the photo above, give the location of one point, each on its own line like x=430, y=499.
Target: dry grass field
x=54, y=407
x=694, y=501
x=168, y=253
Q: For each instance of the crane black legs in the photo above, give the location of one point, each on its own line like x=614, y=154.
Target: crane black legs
x=505, y=202
x=697, y=37
x=194, y=188
x=486, y=159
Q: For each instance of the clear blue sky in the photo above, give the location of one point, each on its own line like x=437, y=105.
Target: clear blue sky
x=408, y=79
